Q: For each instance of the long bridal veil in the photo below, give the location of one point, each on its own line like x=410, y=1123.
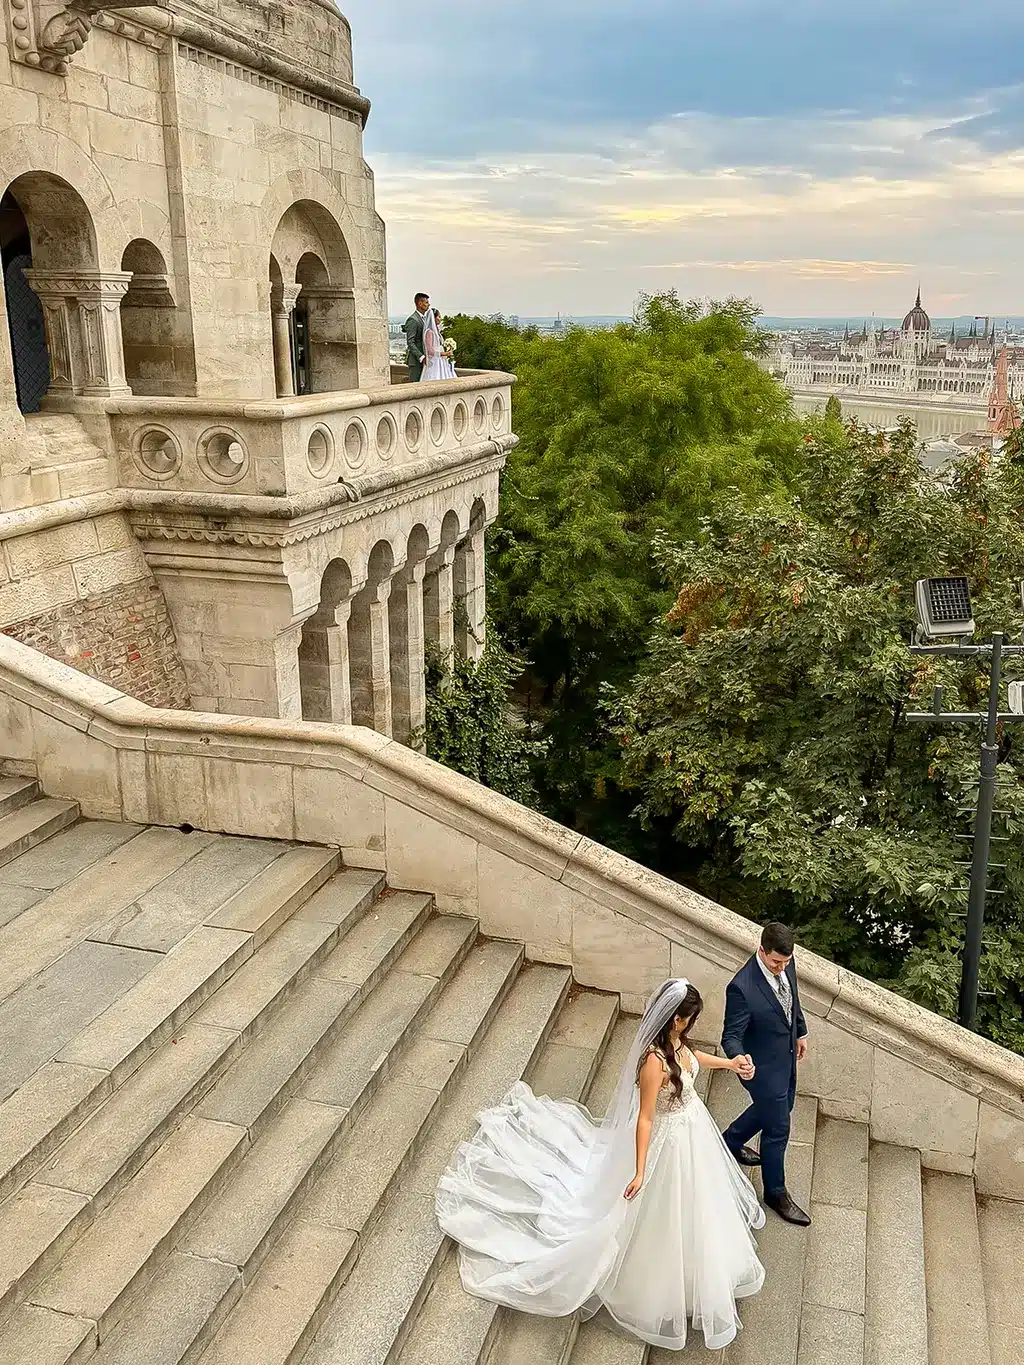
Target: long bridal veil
x=535, y=1200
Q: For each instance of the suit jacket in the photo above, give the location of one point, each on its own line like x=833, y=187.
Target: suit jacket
x=755, y=1023
x=414, y=336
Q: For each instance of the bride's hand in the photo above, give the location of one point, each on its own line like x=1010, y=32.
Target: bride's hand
x=633, y=1188
x=744, y=1068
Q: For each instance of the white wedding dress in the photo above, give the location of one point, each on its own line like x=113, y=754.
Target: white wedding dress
x=436, y=364
x=536, y=1202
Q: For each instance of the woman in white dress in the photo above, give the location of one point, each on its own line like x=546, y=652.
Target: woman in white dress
x=436, y=364
x=646, y=1213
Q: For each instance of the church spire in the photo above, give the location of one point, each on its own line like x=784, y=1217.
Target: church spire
x=952, y=332
x=918, y=303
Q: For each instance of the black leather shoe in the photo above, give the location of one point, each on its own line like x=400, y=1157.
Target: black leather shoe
x=784, y=1206
x=746, y=1156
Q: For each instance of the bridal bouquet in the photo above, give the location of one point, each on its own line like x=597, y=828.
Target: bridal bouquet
x=449, y=346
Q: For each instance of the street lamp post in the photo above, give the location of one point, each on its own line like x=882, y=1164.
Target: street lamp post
x=982, y=839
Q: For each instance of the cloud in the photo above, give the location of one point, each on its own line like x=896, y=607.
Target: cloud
x=559, y=156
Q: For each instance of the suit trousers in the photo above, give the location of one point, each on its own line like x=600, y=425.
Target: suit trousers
x=415, y=371
x=768, y=1115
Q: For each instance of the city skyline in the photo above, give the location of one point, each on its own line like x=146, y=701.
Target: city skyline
x=557, y=158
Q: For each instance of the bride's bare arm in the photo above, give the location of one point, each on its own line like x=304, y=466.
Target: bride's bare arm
x=652, y=1075
x=742, y=1065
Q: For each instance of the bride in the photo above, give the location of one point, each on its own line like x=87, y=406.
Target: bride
x=436, y=364
x=645, y=1213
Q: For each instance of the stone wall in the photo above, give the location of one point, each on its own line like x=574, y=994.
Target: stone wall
x=82, y=593
x=918, y=1080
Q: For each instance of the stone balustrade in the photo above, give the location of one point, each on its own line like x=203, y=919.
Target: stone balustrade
x=285, y=446
x=918, y=1080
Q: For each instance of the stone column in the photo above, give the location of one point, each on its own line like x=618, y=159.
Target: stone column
x=282, y=301
x=99, y=325
x=286, y=673
x=438, y=602
x=56, y=294
x=338, y=666
x=408, y=684
x=470, y=595
x=370, y=658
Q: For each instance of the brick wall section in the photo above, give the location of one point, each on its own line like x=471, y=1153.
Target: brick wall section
x=122, y=636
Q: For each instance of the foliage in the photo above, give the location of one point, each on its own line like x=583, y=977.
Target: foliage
x=834, y=409
x=469, y=723
x=486, y=343
x=625, y=435
x=765, y=736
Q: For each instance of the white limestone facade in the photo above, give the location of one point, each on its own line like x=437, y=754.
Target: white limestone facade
x=909, y=361
x=194, y=342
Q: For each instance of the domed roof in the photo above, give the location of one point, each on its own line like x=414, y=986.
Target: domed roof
x=917, y=320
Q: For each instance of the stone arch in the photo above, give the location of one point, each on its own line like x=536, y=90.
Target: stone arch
x=149, y=321
x=468, y=585
x=370, y=642
x=406, y=638
x=49, y=253
x=438, y=592
x=313, y=306
x=323, y=650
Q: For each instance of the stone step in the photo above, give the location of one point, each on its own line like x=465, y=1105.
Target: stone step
x=1001, y=1227
x=77, y=907
x=16, y=792
x=376, y=1305
x=377, y=1149
x=23, y=828
x=771, y=1322
x=36, y=1119
x=954, y=1278
x=276, y=1063
x=117, y=1254
x=453, y=1328
x=832, y=1319
x=896, y=1313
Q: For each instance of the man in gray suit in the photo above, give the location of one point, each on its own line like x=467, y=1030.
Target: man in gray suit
x=414, y=337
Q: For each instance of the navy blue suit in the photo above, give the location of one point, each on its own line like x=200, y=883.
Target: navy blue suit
x=756, y=1024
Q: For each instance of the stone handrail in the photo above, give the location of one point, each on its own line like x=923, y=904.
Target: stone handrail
x=918, y=1079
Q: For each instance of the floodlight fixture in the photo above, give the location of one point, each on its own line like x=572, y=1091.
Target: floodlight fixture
x=1015, y=691
x=944, y=608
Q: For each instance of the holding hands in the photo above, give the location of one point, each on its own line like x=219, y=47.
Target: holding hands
x=743, y=1067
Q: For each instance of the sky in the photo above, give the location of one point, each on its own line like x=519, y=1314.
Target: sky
x=545, y=156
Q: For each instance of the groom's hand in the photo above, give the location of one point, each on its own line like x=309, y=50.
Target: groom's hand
x=801, y=1049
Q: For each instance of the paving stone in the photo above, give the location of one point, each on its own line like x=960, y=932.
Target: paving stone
x=273, y=894
x=344, y=898
x=36, y=1118
x=69, y=914
x=257, y=1082
x=116, y=1251
x=147, y=1014
x=259, y=984
x=34, y=1226
x=954, y=1276
x=247, y=1212
x=65, y=855
x=284, y=1304
x=601, y=1342
x=377, y=940
x=896, y=1316
x=395, y=1269
x=828, y=1336
x=25, y=828
x=41, y=1337
x=444, y=939
x=841, y=1163
x=15, y=899
x=457, y=1018
x=118, y=1138
x=527, y=1340
x=183, y=1309
x=66, y=996
x=836, y=1258
x=1001, y=1225
x=182, y=901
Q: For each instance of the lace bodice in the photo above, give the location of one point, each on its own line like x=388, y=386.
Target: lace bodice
x=667, y=1102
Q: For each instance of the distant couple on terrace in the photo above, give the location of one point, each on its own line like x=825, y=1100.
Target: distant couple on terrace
x=430, y=354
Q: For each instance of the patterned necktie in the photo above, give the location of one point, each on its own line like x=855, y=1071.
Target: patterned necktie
x=785, y=997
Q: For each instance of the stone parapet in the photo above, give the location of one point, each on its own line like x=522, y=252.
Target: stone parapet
x=917, y=1079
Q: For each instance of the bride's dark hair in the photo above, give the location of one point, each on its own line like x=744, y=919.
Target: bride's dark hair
x=689, y=1009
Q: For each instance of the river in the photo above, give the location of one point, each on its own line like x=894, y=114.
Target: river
x=931, y=422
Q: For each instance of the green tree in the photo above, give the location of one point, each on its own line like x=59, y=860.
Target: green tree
x=765, y=738
x=834, y=409
x=486, y=343
x=625, y=434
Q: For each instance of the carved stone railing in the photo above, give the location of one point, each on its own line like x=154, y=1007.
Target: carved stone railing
x=282, y=447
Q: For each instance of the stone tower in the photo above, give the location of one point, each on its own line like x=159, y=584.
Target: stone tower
x=194, y=348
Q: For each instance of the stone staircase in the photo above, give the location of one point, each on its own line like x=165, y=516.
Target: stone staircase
x=231, y=1072
x=62, y=460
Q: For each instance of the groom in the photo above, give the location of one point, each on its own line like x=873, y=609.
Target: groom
x=414, y=324
x=764, y=1021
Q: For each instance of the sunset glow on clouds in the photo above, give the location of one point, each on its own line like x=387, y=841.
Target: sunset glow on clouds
x=551, y=155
